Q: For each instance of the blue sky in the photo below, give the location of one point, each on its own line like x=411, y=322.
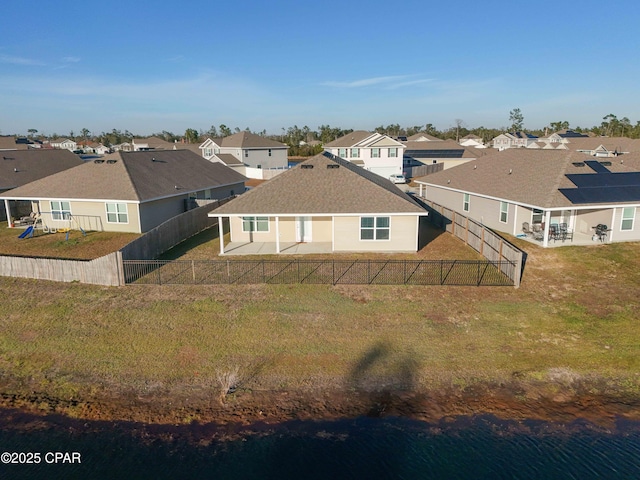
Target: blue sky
x=150, y=66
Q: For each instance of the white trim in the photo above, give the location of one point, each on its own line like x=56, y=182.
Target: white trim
x=277, y=234
x=374, y=228
x=106, y=211
x=301, y=214
x=633, y=219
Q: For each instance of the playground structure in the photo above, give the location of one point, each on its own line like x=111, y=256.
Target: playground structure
x=37, y=222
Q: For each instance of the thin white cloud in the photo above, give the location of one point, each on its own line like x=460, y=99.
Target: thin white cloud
x=365, y=82
x=410, y=83
x=71, y=59
x=21, y=61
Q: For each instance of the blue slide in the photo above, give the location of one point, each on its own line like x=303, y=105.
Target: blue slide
x=27, y=233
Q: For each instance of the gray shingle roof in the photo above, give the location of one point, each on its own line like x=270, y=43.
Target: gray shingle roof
x=324, y=184
x=349, y=140
x=133, y=176
x=524, y=176
x=248, y=140
x=19, y=167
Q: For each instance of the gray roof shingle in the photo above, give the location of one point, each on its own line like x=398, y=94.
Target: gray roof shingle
x=20, y=167
x=133, y=176
x=323, y=184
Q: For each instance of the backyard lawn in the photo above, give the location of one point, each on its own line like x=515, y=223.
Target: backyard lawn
x=77, y=246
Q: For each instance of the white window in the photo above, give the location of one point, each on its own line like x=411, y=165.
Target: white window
x=628, y=215
x=375, y=153
x=374, y=228
x=355, y=152
x=117, y=213
x=208, y=152
x=60, y=210
x=393, y=152
x=342, y=152
x=537, y=216
x=246, y=154
x=269, y=152
x=504, y=212
x=255, y=224
x=465, y=202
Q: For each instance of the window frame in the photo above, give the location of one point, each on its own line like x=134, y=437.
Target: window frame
x=60, y=214
x=355, y=153
x=375, y=152
x=117, y=212
x=253, y=223
x=393, y=152
x=379, y=232
x=504, y=212
x=624, y=219
x=466, y=202
x=342, y=152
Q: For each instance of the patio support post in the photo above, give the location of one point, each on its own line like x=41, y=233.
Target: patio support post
x=547, y=219
x=277, y=234
x=8, y=210
x=221, y=235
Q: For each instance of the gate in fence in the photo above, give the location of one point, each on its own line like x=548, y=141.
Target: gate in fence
x=331, y=272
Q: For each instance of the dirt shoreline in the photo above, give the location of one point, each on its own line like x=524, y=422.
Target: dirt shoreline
x=246, y=412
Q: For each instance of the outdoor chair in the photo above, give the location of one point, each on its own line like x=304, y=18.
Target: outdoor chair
x=554, y=231
x=565, y=232
x=526, y=229
x=538, y=231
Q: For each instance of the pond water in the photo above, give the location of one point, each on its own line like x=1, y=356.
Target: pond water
x=363, y=448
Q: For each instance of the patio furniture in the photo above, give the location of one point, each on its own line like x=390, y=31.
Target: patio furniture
x=601, y=232
x=538, y=231
x=526, y=229
x=565, y=232
x=554, y=232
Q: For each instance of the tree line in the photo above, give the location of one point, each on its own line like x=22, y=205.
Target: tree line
x=305, y=141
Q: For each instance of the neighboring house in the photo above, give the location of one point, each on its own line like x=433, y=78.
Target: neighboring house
x=544, y=187
x=248, y=150
x=17, y=143
x=513, y=140
x=447, y=152
x=564, y=136
x=151, y=143
x=422, y=137
x=325, y=202
x=374, y=152
x=20, y=167
x=472, y=141
x=64, y=143
x=127, y=192
x=605, y=146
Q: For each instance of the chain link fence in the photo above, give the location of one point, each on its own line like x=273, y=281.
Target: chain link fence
x=330, y=272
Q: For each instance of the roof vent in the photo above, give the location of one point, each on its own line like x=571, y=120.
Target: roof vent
x=306, y=166
x=606, y=164
x=333, y=166
x=15, y=170
x=578, y=164
x=111, y=162
x=98, y=161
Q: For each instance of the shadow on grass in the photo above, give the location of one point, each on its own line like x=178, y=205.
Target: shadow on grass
x=383, y=369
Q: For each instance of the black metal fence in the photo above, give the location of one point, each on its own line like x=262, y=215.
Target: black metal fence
x=332, y=272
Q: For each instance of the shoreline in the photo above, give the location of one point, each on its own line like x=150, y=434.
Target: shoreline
x=245, y=413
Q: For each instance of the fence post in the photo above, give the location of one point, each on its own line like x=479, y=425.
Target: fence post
x=193, y=271
x=158, y=270
x=518, y=273
x=482, y=241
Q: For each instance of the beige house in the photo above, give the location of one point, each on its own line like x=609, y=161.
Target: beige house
x=518, y=189
x=126, y=192
x=325, y=204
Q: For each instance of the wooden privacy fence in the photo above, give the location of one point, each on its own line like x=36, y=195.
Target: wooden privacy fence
x=170, y=233
x=356, y=272
x=482, y=239
x=105, y=270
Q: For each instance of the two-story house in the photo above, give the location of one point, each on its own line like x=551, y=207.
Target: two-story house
x=375, y=152
x=257, y=157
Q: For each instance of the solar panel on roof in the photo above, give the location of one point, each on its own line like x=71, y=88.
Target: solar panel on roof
x=434, y=153
x=584, y=180
x=597, y=166
x=602, y=194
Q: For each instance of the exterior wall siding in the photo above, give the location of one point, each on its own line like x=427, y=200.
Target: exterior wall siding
x=403, y=235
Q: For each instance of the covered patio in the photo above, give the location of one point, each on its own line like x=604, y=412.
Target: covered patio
x=270, y=248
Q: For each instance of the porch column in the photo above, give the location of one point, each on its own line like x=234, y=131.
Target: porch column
x=420, y=194
x=221, y=235
x=547, y=219
x=277, y=234
x=8, y=210
x=611, y=225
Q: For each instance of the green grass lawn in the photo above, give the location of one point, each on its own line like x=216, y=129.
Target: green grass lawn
x=574, y=317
